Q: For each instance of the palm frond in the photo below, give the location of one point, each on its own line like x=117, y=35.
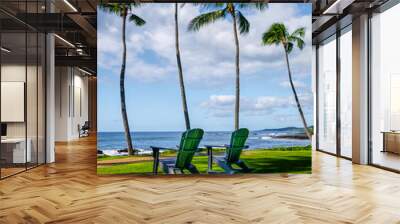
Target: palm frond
x=118, y=8
x=299, y=41
x=244, y=25
x=137, y=20
x=300, y=32
x=289, y=47
x=278, y=33
x=113, y=8
x=206, y=18
x=275, y=34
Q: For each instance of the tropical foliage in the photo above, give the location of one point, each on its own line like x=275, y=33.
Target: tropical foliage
x=124, y=10
x=218, y=11
x=180, y=70
x=278, y=34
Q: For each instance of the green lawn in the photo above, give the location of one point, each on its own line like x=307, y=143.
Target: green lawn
x=277, y=160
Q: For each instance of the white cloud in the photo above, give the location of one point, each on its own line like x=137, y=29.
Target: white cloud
x=223, y=105
x=207, y=55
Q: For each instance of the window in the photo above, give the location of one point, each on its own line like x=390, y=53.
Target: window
x=346, y=93
x=327, y=96
x=385, y=89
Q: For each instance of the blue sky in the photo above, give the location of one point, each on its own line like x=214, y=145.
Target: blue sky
x=152, y=89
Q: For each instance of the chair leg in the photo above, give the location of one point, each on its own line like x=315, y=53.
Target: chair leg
x=228, y=168
x=177, y=171
x=165, y=168
x=244, y=167
x=193, y=169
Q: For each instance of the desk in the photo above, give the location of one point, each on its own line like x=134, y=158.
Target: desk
x=13, y=150
x=391, y=141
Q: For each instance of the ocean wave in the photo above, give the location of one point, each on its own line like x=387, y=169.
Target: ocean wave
x=117, y=152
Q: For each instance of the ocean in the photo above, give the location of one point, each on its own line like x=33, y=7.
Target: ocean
x=110, y=142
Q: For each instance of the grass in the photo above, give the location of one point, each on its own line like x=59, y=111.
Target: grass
x=276, y=160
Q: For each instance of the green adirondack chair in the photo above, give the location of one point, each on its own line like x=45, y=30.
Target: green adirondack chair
x=232, y=153
x=187, y=148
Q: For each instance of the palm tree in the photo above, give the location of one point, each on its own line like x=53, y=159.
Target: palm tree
x=124, y=10
x=180, y=72
x=220, y=11
x=278, y=34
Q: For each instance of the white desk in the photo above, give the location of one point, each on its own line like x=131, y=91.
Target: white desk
x=18, y=144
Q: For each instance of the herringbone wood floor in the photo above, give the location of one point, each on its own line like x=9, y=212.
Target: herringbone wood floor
x=69, y=191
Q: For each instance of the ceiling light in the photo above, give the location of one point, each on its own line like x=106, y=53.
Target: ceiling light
x=337, y=7
x=84, y=71
x=70, y=5
x=65, y=41
x=5, y=50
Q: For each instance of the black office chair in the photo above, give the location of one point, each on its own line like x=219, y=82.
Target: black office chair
x=84, y=130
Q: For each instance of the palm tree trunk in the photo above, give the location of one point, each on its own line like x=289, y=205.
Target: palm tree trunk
x=295, y=96
x=178, y=61
x=237, y=97
x=122, y=88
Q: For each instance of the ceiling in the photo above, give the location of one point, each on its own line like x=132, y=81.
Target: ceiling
x=73, y=21
x=331, y=15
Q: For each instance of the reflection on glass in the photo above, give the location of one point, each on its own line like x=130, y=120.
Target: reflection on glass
x=386, y=89
x=14, y=153
x=31, y=100
x=22, y=90
x=327, y=96
x=41, y=99
x=346, y=94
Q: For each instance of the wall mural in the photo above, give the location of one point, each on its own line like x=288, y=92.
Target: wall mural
x=213, y=88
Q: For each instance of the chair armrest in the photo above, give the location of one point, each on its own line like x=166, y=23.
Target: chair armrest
x=163, y=148
x=216, y=146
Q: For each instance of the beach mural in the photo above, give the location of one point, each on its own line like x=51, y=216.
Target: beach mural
x=212, y=88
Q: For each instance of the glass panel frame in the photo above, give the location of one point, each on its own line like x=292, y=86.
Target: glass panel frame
x=26, y=57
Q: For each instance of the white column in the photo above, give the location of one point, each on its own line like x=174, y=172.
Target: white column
x=360, y=90
x=50, y=101
x=50, y=92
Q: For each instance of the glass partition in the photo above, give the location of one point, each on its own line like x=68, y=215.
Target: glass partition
x=31, y=100
x=13, y=94
x=41, y=96
x=385, y=89
x=327, y=95
x=22, y=88
x=346, y=93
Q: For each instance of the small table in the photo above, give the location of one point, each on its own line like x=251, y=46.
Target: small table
x=210, y=154
x=391, y=141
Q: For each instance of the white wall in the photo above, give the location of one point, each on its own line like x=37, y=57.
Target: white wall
x=71, y=102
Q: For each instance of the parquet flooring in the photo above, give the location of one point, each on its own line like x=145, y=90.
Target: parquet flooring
x=69, y=191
